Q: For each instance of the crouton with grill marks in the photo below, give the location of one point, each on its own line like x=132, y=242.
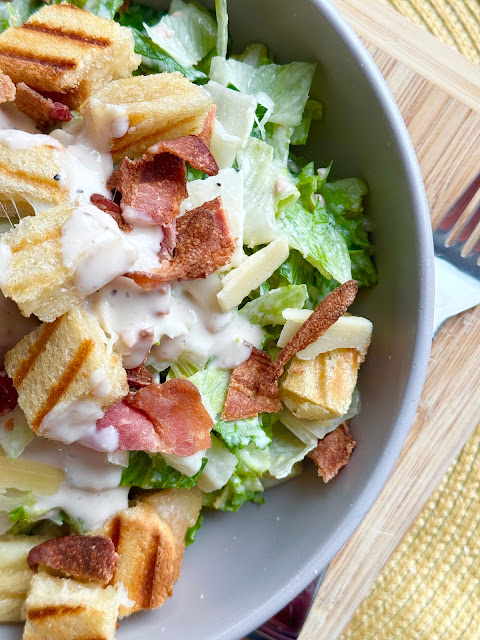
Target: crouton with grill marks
x=15, y=575
x=66, y=366
x=33, y=168
x=156, y=107
x=61, y=609
x=66, y=53
x=321, y=388
x=61, y=255
x=148, y=559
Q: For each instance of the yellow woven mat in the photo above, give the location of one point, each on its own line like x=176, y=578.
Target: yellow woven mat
x=430, y=589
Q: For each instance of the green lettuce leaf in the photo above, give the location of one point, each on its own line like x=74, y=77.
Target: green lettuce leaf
x=222, y=25
x=255, y=459
x=14, y=13
x=313, y=111
x=344, y=196
x=192, y=531
x=154, y=58
x=256, y=55
x=14, y=439
x=188, y=33
x=285, y=450
x=237, y=434
x=212, y=385
x=286, y=85
x=220, y=466
x=243, y=486
x=316, y=237
x=101, y=8
x=150, y=471
x=138, y=15
x=363, y=269
x=267, y=309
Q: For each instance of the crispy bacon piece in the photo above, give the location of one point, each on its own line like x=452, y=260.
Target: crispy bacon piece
x=135, y=431
x=177, y=412
x=333, y=452
x=245, y=399
x=204, y=243
x=112, y=182
x=139, y=377
x=43, y=111
x=169, y=241
x=112, y=208
x=189, y=148
x=7, y=88
x=87, y=558
x=207, y=130
x=152, y=188
x=327, y=312
x=8, y=395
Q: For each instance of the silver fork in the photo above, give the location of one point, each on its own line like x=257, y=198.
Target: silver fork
x=457, y=288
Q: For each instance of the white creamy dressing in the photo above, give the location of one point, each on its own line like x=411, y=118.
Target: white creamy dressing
x=110, y=121
x=13, y=326
x=94, y=247
x=90, y=491
x=20, y=140
x=202, y=331
x=148, y=241
x=12, y=118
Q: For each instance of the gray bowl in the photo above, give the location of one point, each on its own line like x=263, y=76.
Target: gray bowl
x=246, y=566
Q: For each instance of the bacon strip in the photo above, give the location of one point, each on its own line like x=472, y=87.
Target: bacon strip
x=89, y=558
x=8, y=395
x=139, y=377
x=327, y=313
x=204, y=243
x=189, y=148
x=246, y=397
x=177, y=412
x=135, y=431
x=333, y=452
x=112, y=208
x=152, y=188
x=7, y=88
x=43, y=111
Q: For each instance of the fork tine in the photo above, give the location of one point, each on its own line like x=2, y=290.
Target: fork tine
x=453, y=214
x=468, y=227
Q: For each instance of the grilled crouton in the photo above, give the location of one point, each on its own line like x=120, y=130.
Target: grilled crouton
x=148, y=560
x=30, y=168
x=63, y=609
x=66, y=53
x=156, y=107
x=65, y=364
x=321, y=388
x=15, y=575
x=61, y=255
x=180, y=509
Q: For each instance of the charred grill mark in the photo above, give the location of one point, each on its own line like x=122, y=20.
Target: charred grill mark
x=28, y=242
x=48, y=612
x=66, y=379
x=146, y=595
x=52, y=185
x=34, y=352
x=57, y=63
x=60, y=32
x=116, y=528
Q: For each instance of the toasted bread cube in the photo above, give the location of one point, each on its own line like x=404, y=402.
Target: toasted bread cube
x=180, y=509
x=61, y=255
x=63, y=365
x=28, y=166
x=160, y=106
x=61, y=609
x=148, y=562
x=321, y=388
x=15, y=575
x=67, y=53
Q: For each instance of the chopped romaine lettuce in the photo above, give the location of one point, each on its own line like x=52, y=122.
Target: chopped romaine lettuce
x=15, y=438
x=242, y=486
x=222, y=27
x=258, y=193
x=101, y=8
x=138, y=15
x=240, y=433
x=212, y=385
x=14, y=13
x=363, y=269
x=192, y=531
x=255, y=459
x=255, y=55
x=188, y=465
x=150, y=471
x=267, y=309
x=316, y=237
x=313, y=111
x=188, y=33
x=219, y=468
x=286, y=85
x=344, y=196
x=285, y=450
x=183, y=368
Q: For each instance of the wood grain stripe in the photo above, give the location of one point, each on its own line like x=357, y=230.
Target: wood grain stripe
x=66, y=379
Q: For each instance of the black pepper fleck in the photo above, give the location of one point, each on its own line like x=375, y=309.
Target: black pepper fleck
x=57, y=176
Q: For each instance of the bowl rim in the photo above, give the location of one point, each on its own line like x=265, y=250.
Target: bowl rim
x=422, y=344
